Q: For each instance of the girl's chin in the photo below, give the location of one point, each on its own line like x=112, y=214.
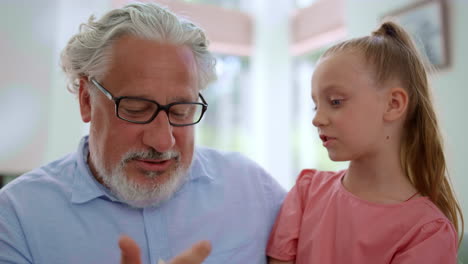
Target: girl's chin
x=337, y=158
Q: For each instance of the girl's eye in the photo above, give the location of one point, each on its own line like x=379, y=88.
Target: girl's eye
x=336, y=102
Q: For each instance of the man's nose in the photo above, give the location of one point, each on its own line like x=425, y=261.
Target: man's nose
x=158, y=134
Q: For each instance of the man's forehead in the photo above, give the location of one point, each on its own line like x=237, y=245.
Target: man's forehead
x=135, y=59
x=131, y=49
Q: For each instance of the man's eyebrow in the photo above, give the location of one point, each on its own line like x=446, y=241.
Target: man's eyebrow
x=184, y=99
x=174, y=99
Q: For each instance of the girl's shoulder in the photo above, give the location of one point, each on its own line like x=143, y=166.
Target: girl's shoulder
x=422, y=211
x=311, y=178
x=319, y=176
x=428, y=233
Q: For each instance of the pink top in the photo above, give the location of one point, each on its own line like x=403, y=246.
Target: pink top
x=321, y=222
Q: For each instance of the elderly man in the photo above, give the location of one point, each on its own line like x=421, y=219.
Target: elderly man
x=138, y=73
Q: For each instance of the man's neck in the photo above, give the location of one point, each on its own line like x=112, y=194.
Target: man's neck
x=93, y=170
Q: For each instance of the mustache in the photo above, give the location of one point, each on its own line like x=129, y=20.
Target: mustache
x=150, y=154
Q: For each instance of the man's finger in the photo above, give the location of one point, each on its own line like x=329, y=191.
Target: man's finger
x=194, y=255
x=130, y=251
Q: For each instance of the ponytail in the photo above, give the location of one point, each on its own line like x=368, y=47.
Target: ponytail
x=422, y=151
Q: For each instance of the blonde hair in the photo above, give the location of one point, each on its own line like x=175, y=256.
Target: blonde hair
x=393, y=55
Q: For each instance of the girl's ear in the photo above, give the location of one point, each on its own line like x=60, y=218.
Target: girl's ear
x=85, y=100
x=397, y=103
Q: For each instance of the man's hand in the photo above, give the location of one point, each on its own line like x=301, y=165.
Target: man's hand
x=130, y=251
x=194, y=255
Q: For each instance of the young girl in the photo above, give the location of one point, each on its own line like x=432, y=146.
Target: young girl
x=394, y=203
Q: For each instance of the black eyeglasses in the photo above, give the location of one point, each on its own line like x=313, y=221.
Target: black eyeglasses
x=142, y=111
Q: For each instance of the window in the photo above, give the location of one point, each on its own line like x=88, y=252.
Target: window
x=224, y=125
x=304, y=3
x=231, y=4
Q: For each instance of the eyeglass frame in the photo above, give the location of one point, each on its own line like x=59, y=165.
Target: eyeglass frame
x=160, y=107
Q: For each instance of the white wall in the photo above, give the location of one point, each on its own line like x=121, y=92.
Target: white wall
x=450, y=91
x=271, y=86
x=26, y=48
x=39, y=118
x=65, y=128
x=452, y=95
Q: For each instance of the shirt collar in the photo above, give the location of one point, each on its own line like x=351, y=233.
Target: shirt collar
x=199, y=169
x=86, y=187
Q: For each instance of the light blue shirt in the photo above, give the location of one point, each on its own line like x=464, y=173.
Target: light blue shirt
x=60, y=214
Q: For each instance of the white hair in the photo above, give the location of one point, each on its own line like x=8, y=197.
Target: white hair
x=87, y=54
x=135, y=194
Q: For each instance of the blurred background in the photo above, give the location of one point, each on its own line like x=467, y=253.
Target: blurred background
x=260, y=105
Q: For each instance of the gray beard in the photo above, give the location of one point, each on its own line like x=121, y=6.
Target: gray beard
x=135, y=194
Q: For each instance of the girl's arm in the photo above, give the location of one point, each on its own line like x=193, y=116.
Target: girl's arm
x=276, y=261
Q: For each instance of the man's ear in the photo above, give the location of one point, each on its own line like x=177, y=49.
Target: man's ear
x=85, y=100
x=397, y=103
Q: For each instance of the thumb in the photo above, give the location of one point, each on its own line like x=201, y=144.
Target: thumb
x=194, y=255
x=130, y=251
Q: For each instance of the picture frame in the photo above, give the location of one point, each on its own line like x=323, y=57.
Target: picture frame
x=426, y=21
